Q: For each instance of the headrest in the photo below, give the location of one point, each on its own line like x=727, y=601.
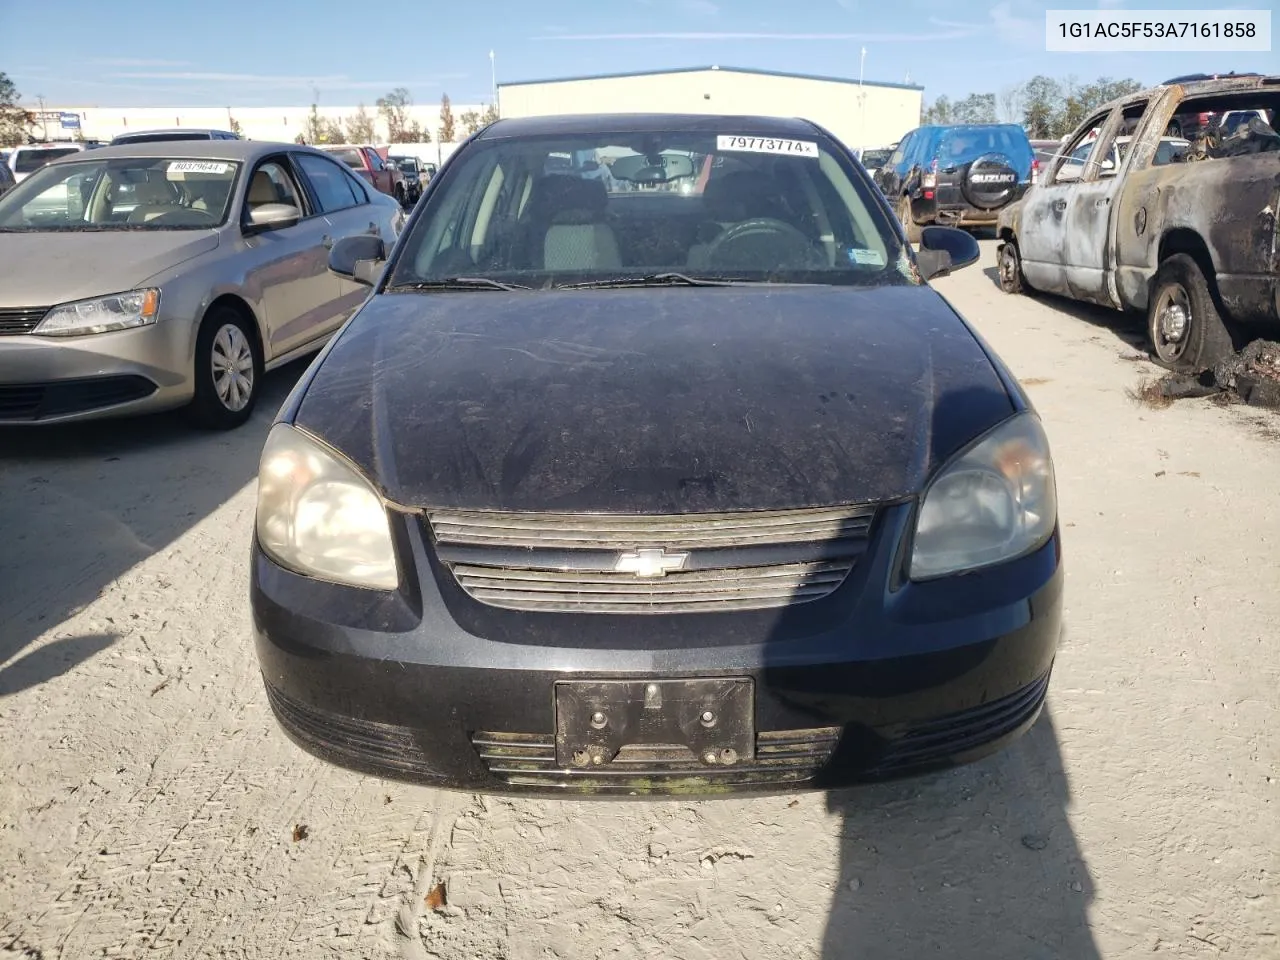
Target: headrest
x=262, y=189
x=741, y=195
x=153, y=191
x=564, y=199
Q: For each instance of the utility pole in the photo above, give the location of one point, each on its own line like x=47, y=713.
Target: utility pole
x=44, y=121
x=493, y=73
x=862, y=96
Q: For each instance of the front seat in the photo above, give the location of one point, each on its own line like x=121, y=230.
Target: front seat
x=153, y=198
x=569, y=214
x=262, y=190
x=731, y=199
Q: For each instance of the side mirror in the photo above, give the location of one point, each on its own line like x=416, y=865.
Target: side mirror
x=359, y=258
x=273, y=216
x=944, y=249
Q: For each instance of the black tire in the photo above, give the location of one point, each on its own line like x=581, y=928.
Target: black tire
x=1009, y=268
x=1187, y=333
x=909, y=226
x=209, y=408
x=400, y=195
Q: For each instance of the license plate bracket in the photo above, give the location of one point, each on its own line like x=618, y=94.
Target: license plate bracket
x=713, y=717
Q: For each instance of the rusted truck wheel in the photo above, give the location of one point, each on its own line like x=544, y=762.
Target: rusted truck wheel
x=1009, y=268
x=1183, y=322
x=909, y=226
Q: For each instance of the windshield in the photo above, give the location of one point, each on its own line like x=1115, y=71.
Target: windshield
x=407, y=164
x=875, y=158
x=29, y=161
x=350, y=157
x=961, y=144
x=553, y=211
x=143, y=193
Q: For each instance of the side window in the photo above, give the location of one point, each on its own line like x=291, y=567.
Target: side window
x=272, y=183
x=899, y=151
x=375, y=161
x=361, y=189
x=1078, y=152
x=330, y=182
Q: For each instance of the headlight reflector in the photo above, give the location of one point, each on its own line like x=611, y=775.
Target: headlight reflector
x=995, y=502
x=120, y=311
x=317, y=515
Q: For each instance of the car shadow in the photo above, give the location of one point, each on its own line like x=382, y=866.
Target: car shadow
x=81, y=504
x=977, y=862
x=1129, y=328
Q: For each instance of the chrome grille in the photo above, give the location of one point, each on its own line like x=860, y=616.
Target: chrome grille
x=15, y=321
x=566, y=562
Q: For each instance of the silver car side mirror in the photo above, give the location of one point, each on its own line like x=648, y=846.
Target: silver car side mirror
x=273, y=216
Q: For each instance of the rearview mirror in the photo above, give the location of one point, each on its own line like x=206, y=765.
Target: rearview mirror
x=944, y=249
x=273, y=216
x=359, y=258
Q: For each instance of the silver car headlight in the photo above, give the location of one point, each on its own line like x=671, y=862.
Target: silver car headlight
x=996, y=501
x=318, y=516
x=120, y=311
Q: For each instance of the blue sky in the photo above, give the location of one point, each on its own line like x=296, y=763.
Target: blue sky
x=233, y=52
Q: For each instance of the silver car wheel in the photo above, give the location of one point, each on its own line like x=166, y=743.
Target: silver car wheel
x=232, y=364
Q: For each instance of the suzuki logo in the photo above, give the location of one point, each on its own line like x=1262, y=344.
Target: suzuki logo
x=993, y=178
x=649, y=562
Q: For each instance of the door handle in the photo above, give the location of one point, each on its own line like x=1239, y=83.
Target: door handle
x=373, y=230
x=327, y=242
x=1059, y=205
x=1102, y=202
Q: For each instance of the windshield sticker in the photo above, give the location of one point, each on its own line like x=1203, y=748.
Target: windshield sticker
x=871, y=258
x=787, y=148
x=198, y=166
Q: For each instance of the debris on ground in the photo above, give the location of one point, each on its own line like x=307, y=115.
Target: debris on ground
x=436, y=898
x=1252, y=375
x=300, y=832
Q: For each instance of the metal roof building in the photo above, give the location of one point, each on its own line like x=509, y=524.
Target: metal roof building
x=861, y=114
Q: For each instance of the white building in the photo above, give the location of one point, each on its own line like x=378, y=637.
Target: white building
x=861, y=114
x=257, y=123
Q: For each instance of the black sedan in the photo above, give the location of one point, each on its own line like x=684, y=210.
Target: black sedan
x=676, y=480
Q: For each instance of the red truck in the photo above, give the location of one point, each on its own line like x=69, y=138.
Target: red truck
x=368, y=162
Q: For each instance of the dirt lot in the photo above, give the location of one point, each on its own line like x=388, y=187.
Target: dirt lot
x=149, y=804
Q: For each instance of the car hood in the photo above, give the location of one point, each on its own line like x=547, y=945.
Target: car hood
x=654, y=401
x=42, y=269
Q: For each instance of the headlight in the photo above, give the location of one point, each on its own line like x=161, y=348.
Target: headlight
x=318, y=516
x=120, y=311
x=995, y=502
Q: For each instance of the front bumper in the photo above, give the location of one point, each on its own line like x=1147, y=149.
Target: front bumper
x=920, y=677
x=54, y=380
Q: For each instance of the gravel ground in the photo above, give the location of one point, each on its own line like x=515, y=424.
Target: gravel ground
x=150, y=806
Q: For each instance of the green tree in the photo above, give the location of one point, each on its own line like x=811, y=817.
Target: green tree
x=235, y=125
x=15, y=122
x=490, y=114
x=470, y=121
x=394, y=110
x=359, y=127
x=313, y=128
x=1041, y=104
x=938, y=112
x=448, y=127
x=975, y=108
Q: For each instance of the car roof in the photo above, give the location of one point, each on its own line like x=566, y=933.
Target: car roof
x=247, y=150
x=569, y=124
x=186, y=130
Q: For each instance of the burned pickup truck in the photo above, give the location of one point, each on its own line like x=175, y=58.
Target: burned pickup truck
x=1183, y=230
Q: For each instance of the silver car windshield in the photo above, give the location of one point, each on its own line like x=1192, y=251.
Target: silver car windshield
x=133, y=193
x=557, y=211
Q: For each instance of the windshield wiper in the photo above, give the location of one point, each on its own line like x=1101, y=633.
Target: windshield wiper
x=655, y=280
x=457, y=283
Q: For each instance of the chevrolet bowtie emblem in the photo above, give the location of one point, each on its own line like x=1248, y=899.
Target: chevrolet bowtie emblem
x=650, y=563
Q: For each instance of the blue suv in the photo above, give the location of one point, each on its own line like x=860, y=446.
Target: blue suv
x=959, y=175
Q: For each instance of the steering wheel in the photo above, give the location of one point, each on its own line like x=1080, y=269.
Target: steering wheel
x=761, y=243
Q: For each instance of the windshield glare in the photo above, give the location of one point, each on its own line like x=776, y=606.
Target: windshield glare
x=122, y=194
x=549, y=211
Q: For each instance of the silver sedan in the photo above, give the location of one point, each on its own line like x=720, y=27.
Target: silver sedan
x=162, y=275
